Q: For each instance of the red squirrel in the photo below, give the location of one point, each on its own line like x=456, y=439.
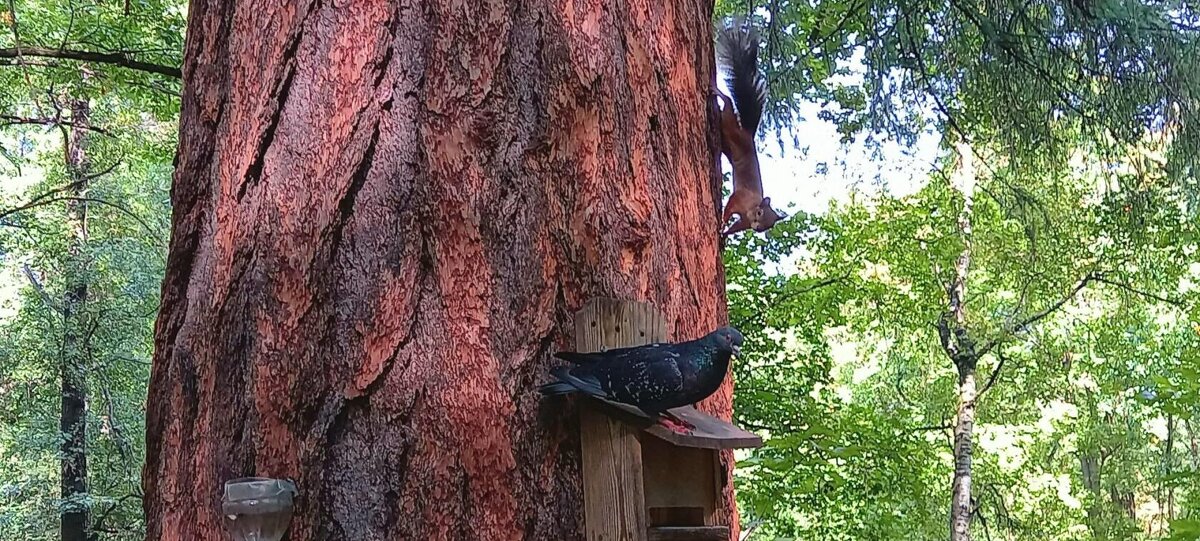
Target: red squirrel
x=737, y=52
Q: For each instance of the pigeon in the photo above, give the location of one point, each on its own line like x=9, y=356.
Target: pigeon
x=653, y=378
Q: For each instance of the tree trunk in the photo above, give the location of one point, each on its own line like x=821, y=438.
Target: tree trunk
x=964, y=427
x=1193, y=445
x=1169, y=470
x=1124, y=501
x=960, y=347
x=1090, y=471
x=385, y=215
x=73, y=357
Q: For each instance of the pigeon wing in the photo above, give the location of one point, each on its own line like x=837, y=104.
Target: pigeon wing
x=617, y=355
x=644, y=381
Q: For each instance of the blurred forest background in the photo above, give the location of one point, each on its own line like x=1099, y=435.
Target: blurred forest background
x=1048, y=255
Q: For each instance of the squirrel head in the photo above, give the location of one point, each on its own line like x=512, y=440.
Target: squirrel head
x=765, y=216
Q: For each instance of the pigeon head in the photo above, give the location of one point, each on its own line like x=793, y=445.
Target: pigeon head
x=727, y=339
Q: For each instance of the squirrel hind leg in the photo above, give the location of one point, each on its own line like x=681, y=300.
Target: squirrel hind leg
x=725, y=101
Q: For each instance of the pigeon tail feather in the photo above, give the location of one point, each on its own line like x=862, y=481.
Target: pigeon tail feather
x=557, y=388
x=575, y=357
x=568, y=383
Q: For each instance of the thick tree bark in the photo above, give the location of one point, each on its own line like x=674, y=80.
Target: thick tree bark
x=73, y=357
x=385, y=215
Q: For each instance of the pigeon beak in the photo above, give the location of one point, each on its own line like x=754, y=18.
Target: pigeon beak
x=737, y=350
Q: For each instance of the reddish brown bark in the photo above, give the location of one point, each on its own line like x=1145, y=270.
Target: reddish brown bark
x=386, y=214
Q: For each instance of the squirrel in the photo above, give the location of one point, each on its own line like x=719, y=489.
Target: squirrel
x=737, y=51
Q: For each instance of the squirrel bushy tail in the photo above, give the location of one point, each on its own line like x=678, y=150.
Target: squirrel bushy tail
x=737, y=51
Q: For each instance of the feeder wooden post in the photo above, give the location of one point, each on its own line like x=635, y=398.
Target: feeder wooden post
x=614, y=496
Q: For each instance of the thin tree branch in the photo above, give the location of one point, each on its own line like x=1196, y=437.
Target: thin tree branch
x=123, y=60
x=98, y=524
x=117, y=433
x=1058, y=86
x=131, y=359
x=750, y=528
x=992, y=378
x=851, y=11
x=1042, y=314
x=42, y=202
x=1131, y=289
x=37, y=286
x=987, y=532
x=119, y=207
x=19, y=56
x=38, y=200
x=754, y=426
x=156, y=88
x=10, y=120
x=106, y=171
x=899, y=384
x=937, y=99
x=62, y=44
x=789, y=295
x=9, y=62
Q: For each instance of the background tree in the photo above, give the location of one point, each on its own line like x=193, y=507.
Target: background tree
x=82, y=222
x=1044, y=278
x=1028, y=86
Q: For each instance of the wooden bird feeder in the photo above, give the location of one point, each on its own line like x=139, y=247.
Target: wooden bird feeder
x=641, y=481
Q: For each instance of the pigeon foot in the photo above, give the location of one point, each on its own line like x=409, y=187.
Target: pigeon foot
x=675, y=424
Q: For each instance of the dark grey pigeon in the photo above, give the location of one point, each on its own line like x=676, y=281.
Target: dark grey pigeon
x=654, y=377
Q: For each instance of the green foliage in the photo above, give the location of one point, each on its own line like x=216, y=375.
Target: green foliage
x=145, y=31
x=130, y=145
x=125, y=256
x=847, y=378
x=1039, y=79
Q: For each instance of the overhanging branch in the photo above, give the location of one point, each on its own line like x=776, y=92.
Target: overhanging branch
x=1174, y=302
x=41, y=290
x=123, y=60
x=9, y=120
x=98, y=524
x=790, y=295
x=1043, y=313
x=41, y=201
x=992, y=379
x=931, y=428
x=38, y=200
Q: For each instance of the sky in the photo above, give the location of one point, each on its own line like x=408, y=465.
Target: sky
x=11, y=187
x=826, y=170
x=794, y=176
